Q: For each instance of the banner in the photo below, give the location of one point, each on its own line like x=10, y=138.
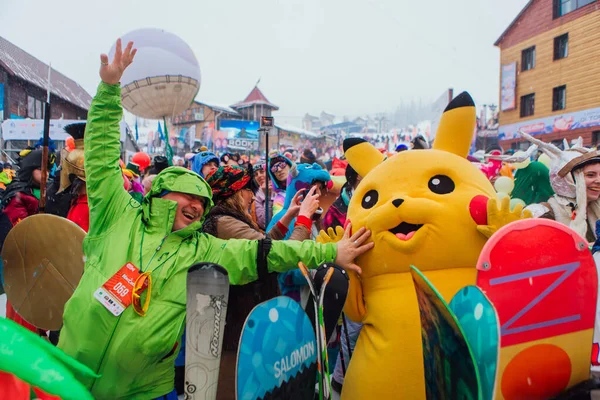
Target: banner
x=508, y=100
x=241, y=134
x=556, y=123
x=32, y=129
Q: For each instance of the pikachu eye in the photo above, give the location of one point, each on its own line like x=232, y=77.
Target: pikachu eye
x=441, y=184
x=370, y=199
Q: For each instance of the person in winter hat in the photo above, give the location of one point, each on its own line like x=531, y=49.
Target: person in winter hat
x=67, y=185
x=204, y=163
x=260, y=204
x=278, y=169
x=159, y=164
x=233, y=190
x=575, y=179
x=155, y=243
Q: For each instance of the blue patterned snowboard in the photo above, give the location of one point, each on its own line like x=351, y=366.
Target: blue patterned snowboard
x=277, y=355
x=479, y=321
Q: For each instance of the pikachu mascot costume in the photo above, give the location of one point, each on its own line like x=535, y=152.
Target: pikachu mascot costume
x=429, y=208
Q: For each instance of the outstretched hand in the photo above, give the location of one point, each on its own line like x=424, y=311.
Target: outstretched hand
x=111, y=73
x=351, y=246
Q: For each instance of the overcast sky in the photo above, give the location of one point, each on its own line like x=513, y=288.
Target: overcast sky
x=349, y=57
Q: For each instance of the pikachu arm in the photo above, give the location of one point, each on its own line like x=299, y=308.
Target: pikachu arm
x=355, y=306
x=500, y=214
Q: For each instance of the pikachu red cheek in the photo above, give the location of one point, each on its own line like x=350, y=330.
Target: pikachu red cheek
x=478, y=209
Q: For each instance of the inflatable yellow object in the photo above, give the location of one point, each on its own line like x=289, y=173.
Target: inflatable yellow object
x=429, y=208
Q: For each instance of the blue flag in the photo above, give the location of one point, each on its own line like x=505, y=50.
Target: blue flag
x=137, y=134
x=161, y=135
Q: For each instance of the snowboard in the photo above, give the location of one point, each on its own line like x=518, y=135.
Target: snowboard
x=450, y=368
x=277, y=355
x=479, y=321
x=207, y=296
x=542, y=280
x=334, y=299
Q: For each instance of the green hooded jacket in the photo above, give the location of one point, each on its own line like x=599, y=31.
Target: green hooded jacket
x=135, y=355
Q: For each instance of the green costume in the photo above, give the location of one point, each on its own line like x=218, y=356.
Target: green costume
x=532, y=184
x=135, y=355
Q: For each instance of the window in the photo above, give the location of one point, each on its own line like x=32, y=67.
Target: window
x=38, y=109
x=562, y=7
x=30, y=107
x=559, y=98
x=527, y=105
x=528, y=59
x=561, y=46
x=596, y=138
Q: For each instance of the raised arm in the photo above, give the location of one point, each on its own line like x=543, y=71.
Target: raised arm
x=107, y=197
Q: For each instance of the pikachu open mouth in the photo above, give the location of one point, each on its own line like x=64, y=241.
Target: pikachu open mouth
x=405, y=231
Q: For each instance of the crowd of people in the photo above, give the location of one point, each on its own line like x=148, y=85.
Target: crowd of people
x=257, y=219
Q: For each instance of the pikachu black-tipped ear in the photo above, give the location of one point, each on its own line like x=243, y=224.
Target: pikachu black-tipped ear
x=362, y=155
x=457, y=126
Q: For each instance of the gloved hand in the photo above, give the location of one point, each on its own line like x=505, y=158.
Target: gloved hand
x=499, y=215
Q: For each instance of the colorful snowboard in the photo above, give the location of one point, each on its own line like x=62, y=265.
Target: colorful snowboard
x=334, y=299
x=450, y=368
x=479, y=321
x=542, y=280
x=207, y=295
x=277, y=355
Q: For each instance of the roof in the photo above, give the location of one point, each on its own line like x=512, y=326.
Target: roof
x=25, y=66
x=514, y=21
x=299, y=131
x=255, y=97
x=220, y=108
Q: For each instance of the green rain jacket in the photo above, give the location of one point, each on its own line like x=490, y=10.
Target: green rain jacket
x=135, y=355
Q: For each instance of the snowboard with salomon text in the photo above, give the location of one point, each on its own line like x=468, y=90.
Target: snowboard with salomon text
x=277, y=355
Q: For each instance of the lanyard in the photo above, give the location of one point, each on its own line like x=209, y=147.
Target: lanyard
x=144, y=279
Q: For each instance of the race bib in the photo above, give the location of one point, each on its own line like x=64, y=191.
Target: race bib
x=117, y=293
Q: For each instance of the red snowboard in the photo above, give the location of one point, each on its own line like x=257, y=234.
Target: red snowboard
x=541, y=277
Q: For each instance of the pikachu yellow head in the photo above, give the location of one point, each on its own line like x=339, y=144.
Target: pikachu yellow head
x=422, y=206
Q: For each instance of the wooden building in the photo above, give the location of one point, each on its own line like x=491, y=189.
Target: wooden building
x=23, y=83
x=196, y=125
x=24, y=79
x=550, y=73
x=254, y=106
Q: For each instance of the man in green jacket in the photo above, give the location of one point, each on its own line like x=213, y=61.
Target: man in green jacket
x=135, y=354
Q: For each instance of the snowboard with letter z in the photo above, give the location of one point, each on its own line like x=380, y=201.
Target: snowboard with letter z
x=277, y=355
x=207, y=296
x=542, y=280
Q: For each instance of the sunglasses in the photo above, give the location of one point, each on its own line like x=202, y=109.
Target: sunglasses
x=278, y=166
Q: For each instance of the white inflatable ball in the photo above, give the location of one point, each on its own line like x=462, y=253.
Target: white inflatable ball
x=504, y=184
x=164, y=77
